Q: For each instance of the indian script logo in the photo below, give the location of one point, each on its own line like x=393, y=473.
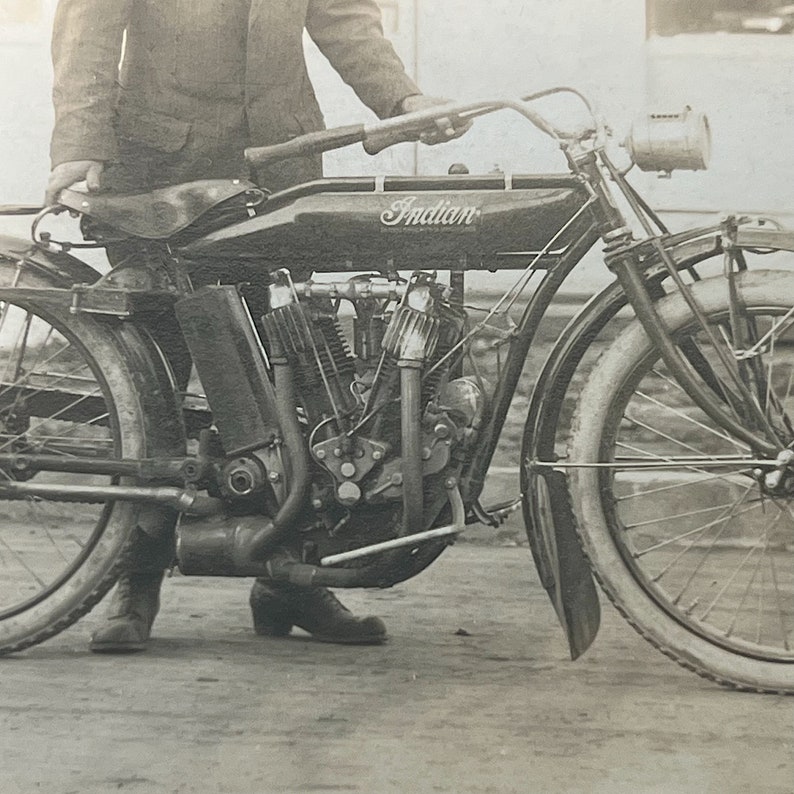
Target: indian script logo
x=406, y=212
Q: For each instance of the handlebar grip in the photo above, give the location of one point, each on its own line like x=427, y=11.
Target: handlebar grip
x=311, y=143
x=20, y=209
x=375, y=141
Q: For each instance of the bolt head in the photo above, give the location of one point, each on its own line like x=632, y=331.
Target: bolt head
x=377, y=454
x=320, y=454
x=441, y=430
x=348, y=493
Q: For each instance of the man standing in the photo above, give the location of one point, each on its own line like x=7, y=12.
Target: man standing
x=150, y=93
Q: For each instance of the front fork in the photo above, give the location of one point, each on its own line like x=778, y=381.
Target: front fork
x=622, y=258
x=755, y=430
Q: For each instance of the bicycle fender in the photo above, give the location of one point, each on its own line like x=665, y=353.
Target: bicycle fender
x=156, y=384
x=62, y=267
x=548, y=518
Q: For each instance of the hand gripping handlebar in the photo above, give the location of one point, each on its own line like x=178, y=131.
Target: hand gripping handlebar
x=375, y=137
x=407, y=128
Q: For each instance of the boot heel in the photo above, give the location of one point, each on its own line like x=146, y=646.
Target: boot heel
x=133, y=609
x=271, y=617
x=272, y=627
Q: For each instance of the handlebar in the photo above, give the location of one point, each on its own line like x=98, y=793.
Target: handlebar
x=312, y=143
x=402, y=129
x=375, y=137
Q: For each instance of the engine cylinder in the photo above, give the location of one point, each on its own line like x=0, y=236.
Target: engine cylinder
x=320, y=356
x=412, y=335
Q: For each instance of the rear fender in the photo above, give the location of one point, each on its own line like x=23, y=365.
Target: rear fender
x=64, y=270
x=165, y=432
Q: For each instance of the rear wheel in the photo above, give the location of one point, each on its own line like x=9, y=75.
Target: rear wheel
x=689, y=532
x=65, y=392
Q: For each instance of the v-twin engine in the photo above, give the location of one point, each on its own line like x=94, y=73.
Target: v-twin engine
x=385, y=413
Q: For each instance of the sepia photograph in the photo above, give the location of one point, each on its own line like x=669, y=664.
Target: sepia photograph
x=396, y=396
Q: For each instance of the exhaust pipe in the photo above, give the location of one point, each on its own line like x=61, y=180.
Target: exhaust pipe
x=240, y=546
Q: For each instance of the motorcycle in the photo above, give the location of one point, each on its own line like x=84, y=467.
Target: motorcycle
x=337, y=430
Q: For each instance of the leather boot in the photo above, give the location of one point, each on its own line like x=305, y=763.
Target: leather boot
x=133, y=608
x=278, y=606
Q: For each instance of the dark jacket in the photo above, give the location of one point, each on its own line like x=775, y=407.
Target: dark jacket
x=202, y=79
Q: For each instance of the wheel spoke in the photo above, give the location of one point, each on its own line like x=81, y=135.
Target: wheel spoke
x=666, y=436
x=676, y=516
x=676, y=486
x=24, y=564
x=740, y=607
x=696, y=532
x=46, y=385
x=730, y=580
x=699, y=425
x=708, y=536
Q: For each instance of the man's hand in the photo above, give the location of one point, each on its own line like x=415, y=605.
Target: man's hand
x=67, y=174
x=447, y=128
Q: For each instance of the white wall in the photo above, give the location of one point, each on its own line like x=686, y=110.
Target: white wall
x=25, y=111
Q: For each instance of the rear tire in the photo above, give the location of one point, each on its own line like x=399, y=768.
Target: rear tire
x=695, y=555
x=66, y=389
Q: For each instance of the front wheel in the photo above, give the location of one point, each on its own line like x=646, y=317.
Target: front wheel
x=689, y=531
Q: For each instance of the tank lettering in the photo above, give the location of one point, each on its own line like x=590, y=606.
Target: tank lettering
x=406, y=212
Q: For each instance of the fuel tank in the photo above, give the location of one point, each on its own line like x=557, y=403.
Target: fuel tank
x=391, y=223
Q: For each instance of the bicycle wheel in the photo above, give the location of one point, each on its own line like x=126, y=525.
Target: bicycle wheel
x=690, y=531
x=65, y=392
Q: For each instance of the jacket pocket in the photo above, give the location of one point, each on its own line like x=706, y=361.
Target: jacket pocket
x=155, y=130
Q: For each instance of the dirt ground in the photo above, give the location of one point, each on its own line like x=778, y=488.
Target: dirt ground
x=496, y=707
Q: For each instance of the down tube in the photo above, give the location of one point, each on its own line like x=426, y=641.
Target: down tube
x=474, y=477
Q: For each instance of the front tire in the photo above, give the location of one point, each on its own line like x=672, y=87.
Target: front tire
x=685, y=540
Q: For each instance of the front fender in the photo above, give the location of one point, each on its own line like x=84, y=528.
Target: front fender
x=548, y=518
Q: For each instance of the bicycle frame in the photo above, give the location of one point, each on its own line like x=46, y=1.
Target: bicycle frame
x=598, y=217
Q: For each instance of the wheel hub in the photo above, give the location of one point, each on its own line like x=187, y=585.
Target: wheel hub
x=778, y=481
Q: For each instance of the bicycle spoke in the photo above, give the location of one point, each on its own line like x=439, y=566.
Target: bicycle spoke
x=691, y=543
x=675, y=517
x=740, y=607
x=715, y=587
x=780, y=612
x=698, y=424
x=24, y=564
x=698, y=530
x=50, y=403
x=24, y=330
x=707, y=551
x=676, y=486
x=731, y=579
